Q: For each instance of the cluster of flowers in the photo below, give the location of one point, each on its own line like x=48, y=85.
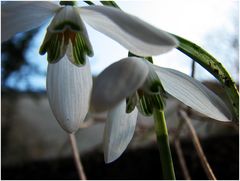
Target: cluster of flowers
x=130, y=85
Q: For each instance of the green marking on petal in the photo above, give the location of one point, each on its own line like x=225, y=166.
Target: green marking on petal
x=148, y=102
x=144, y=106
x=131, y=102
x=158, y=101
x=81, y=48
x=151, y=95
x=54, y=46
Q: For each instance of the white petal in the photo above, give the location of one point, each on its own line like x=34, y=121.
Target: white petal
x=134, y=34
x=118, y=131
x=68, y=89
x=118, y=81
x=21, y=16
x=194, y=94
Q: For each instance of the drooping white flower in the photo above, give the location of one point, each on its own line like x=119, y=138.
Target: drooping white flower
x=67, y=39
x=134, y=82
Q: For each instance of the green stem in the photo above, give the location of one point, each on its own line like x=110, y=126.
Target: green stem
x=163, y=143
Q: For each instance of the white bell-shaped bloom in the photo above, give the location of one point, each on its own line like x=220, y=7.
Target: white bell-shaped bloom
x=127, y=80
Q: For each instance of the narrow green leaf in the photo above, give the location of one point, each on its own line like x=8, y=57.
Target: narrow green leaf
x=213, y=66
x=89, y=2
x=110, y=3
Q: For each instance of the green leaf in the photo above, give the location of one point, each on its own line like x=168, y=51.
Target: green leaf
x=110, y=3
x=213, y=66
x=89, y=2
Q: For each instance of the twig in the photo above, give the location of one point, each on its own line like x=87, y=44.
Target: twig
x=201, y=117
x=198, y=147
x=178, y=130
x=76, y=156
x=182, y=161
x=179, y=152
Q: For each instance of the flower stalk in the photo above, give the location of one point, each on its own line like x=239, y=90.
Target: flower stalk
x=163, y=144
x=76, y=156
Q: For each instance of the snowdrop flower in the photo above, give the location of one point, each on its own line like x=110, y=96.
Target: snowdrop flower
x=134, y=84
x=66, y=44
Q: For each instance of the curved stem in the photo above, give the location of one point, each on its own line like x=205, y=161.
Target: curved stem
x=76, y=156
x=181, y=159
x=163, y=143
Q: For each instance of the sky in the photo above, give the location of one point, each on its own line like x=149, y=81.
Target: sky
x=208, y=23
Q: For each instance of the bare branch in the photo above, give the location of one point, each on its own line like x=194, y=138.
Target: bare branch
x=198, y=146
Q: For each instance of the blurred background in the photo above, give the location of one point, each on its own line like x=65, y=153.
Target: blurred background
x=34, y=146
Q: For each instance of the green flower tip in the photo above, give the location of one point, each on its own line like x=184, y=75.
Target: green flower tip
x=57, y=44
